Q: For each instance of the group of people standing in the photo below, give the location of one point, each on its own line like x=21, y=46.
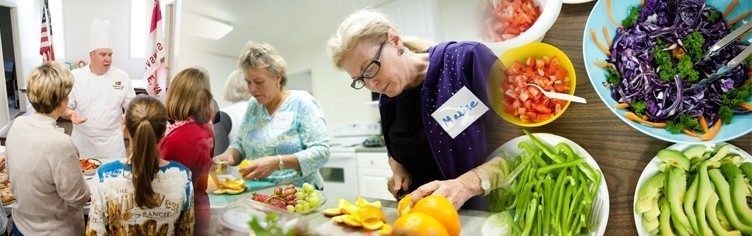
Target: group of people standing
x=160, y=186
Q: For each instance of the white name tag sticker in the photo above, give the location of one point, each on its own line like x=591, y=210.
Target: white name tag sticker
x=459, y=112
x=282, y=120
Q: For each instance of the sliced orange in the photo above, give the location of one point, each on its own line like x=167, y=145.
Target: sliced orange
x=403, y=207
x=351, y=221
x=372, y=224
x=347, y=207
x=219, y=191
x=338, y=219
x=233, y=191
x=244, y=164
x=332, y=212
x=386, y=229
x=369, y=212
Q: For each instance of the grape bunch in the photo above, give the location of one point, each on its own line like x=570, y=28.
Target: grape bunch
x=290, y=198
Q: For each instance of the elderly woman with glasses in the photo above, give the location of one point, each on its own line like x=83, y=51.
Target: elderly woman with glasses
x=283, y=132
x=424, y=158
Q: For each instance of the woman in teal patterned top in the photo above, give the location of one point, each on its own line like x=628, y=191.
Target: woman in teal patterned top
x=284, y=131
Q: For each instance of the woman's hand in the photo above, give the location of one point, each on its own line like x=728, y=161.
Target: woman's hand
x=260, y=168
x=223, y=159
x=454, y=189
x=400, y=181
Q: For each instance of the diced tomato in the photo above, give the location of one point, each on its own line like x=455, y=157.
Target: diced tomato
x=527, y=103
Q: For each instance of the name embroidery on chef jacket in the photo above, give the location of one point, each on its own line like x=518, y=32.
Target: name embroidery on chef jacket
x=118, y=85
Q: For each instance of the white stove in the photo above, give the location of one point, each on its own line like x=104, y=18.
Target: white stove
x=340, y=172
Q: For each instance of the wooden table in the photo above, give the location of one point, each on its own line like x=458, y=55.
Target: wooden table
x=621, y=151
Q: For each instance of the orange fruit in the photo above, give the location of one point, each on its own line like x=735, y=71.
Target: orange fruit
x=442, y=210
x=418, y=224
x=403, y=207
x=369, y=212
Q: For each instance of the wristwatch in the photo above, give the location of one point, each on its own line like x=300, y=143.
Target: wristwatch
x=485, y=184
x=281, y=164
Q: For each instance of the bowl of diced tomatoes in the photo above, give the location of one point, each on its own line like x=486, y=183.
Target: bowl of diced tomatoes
x=513, y=23
x=89, y=165
x=536, y=63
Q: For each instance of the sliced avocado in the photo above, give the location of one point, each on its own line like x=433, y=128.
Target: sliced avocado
x=713, y=221
x=724, y=194
x=694, y=151
x=739, y=192
x=746, y=168
x=689, y=202
x=676, y=186
x=665, y=220
x=649, y=192
x=651, y=225
x=674, y=158
x=722, y=152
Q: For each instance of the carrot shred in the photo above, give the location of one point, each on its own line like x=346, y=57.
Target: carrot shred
x=602, y=64
x=738, y=18
x=712, y=132
x=598, y=43
x=746, y=106
x=690, y=133
x=703, y=124
x=622, y=105
x=633, y=117
x=611, y=15
x=607, y=35
x=730, y=8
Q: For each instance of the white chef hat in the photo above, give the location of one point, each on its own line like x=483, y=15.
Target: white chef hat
x=100, y=35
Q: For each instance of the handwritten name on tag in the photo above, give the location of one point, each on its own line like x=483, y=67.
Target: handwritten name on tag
x=459, y=112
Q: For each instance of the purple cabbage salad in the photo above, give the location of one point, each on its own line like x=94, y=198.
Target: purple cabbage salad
x=658, y=55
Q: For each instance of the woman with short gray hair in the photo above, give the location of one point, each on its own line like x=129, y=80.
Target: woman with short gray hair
x=283, y=132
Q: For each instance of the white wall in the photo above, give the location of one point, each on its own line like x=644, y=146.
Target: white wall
x=78, y=15
x=26, y=36
x=331, y=87
x=458, y=20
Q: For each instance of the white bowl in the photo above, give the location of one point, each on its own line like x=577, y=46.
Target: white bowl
x=549, y=13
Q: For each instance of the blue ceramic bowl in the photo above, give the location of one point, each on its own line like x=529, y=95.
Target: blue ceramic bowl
x=741, y=124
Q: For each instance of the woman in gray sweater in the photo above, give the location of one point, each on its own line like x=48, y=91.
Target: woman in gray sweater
x=43, y=163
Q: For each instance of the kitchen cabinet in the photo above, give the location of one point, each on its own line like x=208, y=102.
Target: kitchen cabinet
x=373, y=175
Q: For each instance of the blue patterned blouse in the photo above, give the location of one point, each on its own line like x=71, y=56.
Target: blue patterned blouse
x=297, y=127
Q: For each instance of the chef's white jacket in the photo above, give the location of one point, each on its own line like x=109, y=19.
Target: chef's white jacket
x=101, y=99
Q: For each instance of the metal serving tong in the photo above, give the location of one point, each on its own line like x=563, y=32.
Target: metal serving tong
x=733, y=62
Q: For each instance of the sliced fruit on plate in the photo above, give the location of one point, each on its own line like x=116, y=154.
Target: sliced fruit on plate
x=372, y=224
x=332, y=212
x=362, y=213
x=351, y=221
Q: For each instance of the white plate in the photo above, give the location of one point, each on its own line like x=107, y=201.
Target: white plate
x=652, y=169
x=575, y=1
x=510, y=149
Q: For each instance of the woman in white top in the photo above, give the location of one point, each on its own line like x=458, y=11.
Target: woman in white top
x=236, y=92
x=43, y=163
x=145, y=195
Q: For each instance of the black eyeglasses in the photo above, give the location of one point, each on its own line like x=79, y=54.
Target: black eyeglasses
x=371, y=70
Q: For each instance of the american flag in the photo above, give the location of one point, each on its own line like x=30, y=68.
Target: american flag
x=45, y=47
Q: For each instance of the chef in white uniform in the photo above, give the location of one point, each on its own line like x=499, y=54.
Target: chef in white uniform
x=100, y=94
